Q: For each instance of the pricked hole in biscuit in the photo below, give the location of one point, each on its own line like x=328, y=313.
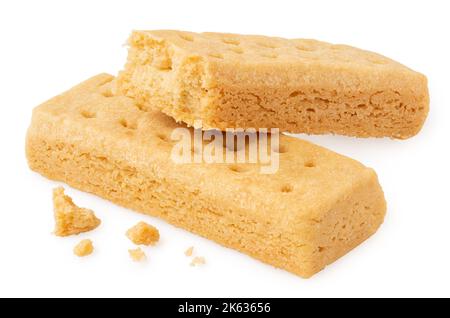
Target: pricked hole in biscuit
x=216, y=55
x=238, y=168
x=107, y=93
x=309, y=164
x=140, y=107
x=231, y=41
x=281, y=149
x=296, y=93
x=269, y=55
x=287, y=188
x=87, y=114
x=310, y=110
x=367, y=207
x=362, y=106
x=163, y=137
x=321, y=249
x=166, y=67
x=187, y=37
x=126, y=124
x=236, y=50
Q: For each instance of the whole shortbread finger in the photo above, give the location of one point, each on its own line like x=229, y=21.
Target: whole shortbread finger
x=316, y=208
x=300, y=86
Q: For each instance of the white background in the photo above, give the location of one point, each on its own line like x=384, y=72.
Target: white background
x=49, y=46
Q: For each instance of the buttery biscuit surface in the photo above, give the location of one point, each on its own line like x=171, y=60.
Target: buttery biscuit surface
x=316, y=208
x=300, y=86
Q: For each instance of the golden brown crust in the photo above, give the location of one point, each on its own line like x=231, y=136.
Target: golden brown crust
x=300, y=86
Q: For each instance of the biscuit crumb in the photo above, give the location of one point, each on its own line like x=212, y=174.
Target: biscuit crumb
x=137, y=254
x=143, y=233
x=198, y=260
x=69, y=218
x=189, y=251
x=83, y=248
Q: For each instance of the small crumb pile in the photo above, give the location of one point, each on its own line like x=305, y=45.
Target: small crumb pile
x=143, y=234
x=83, y=248
x=69, y=218
x=137, y=254
x=197, y=260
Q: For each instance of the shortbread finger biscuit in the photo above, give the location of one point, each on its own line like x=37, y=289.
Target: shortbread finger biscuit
x=214, y=80
x=314, y=209
x=83, y=248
